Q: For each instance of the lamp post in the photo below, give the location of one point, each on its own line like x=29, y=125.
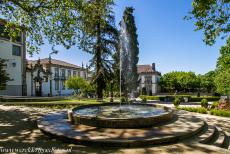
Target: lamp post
x=50, y=75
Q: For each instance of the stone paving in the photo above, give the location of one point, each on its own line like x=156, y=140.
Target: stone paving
x=18, y=129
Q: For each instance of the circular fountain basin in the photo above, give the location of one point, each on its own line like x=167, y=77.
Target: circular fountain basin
x=121, y=116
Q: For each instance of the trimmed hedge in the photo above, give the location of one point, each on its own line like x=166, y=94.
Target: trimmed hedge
x=194, y=109
x=171, y=98
x=209, y=98
x=221, y=113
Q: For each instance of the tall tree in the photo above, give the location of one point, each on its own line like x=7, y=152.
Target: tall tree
x=4, y=77
x=213, y=17
x=99, y=37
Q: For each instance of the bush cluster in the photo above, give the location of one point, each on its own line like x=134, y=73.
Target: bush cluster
x=144, y=100
x=170, y=98
x=195, y=109
x=176, y=102
x=204, y=103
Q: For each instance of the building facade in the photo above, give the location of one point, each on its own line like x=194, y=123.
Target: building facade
x=47, y=77
x=149, y=79
x=14, y=51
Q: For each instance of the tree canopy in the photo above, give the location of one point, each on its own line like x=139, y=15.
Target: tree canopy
x=187, y=82
x=55, y=21
x=213, y=17
x=222, y=79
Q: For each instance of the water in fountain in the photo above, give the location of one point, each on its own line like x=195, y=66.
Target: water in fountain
x=128, y=81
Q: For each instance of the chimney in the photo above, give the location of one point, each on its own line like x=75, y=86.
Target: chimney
x=153, y=67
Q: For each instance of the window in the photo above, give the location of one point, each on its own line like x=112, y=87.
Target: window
x=56, y=72
x=69, y=73
x=148, y=79
x=63, y=85
x=16, y=50
x=74, y=73
x=56, y=85
x=63, y=72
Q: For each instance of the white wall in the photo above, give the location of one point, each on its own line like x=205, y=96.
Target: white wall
x=14, y=68
x=155, y=81
x=15, y=73
x=46, y=85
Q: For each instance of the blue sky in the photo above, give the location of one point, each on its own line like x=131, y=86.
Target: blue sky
x=164, y=38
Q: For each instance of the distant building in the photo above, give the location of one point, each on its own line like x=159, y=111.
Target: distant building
x=14, y=51
x=46, y=78
x=148, y=79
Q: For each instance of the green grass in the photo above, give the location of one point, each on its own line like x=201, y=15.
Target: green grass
x=194, y=109
x=59, y=104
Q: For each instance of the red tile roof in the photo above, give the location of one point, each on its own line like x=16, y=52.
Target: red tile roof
x=53, y=62
x=145, y=69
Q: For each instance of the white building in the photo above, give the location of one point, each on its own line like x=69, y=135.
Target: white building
x=14, y=52
x=40, y=82
x=148, y=79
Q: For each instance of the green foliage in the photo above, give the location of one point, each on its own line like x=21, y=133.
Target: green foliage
x=149, y=97
x=204, y=103
x=194, y=109
x=181, y=97
x=222, y=81
x=223, y=61
x=222, y=113
x=178, y=81
x=209, y=98
x=99, y=37
x=56, y=21
x=123, y=99
x=214, y=105
x=176, y=102
x=78, y=83
x=144, y=100
x=4, y=77
x=212, y=17
x=207, y=82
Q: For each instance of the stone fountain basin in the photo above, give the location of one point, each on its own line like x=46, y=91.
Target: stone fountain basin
x=107, y=121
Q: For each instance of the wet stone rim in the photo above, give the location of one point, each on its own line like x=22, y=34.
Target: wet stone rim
x=122, y=122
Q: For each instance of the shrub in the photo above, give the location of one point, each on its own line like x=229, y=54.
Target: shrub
x=222, y=113
x=149, y=97
x=176, y=102
x=123, y=100
x=144, y=100
x=195, y=109
x=204, y=103
x=214, y=105
x=209, y=98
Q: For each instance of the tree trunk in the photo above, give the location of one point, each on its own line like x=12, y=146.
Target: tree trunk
x=99, y=80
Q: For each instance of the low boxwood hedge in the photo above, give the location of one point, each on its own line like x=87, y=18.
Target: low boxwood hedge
x=194, y=109
x=221, y=113
x=171, y=98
